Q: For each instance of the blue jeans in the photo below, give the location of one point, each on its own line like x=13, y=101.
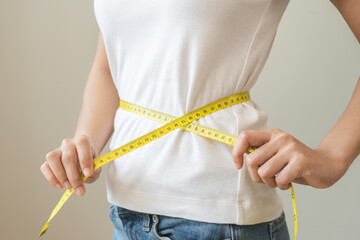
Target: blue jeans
x=129, y=225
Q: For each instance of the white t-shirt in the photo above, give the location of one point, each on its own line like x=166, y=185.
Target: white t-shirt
x=175, y=56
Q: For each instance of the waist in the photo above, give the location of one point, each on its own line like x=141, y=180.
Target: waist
x=248, y=115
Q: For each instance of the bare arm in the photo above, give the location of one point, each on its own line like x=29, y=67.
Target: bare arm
x=100, y=101
x=94, y=127
x=343, y=140
x=350, y=10
x=282, y=159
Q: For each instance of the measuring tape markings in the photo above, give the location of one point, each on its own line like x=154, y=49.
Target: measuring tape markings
x=171, y=123
x=192, y=127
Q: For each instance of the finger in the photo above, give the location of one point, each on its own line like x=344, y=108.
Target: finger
x=245, y=139
x=287, y=175
x=71, y=165
x=49, y=175
x=95, y=176
x=272, y=167
x=83, y=149
x=53, y=159
x=259, y=157
x=253, y=167
x=270, y=182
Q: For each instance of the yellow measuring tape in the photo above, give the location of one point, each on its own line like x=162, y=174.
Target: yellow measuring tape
x=171, y=123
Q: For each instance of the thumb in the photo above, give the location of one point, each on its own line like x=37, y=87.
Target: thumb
x=245, y=143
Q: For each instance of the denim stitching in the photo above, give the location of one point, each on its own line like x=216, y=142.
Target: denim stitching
x=277, y=224
x=232, y=232
x=155, y=229
x=227, y=232
x=229, y=237
x=114, y=214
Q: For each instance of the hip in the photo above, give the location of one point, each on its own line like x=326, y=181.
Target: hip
x=131, y=225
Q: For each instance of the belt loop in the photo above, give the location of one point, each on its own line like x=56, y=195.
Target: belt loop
x=146, y=224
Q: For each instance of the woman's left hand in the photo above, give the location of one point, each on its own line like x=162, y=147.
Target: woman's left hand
x=282, y=159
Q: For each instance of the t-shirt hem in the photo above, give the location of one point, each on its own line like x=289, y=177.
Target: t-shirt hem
x=213, y=211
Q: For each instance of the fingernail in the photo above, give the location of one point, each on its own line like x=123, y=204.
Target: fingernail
x=67, y=184
x=59, y=186
x=87, y=172
x=237, y=165
x=79, y=190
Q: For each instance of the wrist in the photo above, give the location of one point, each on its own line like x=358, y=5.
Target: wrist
x=340, y=160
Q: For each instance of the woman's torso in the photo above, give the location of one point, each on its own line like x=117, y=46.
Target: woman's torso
x=174, y=57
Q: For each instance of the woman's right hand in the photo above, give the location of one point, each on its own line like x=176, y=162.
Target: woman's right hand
x=63, y=165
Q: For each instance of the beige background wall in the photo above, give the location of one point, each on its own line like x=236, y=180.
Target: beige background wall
x=46, y=50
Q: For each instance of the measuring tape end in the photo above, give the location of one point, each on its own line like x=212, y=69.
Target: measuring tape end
x=43, y=231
